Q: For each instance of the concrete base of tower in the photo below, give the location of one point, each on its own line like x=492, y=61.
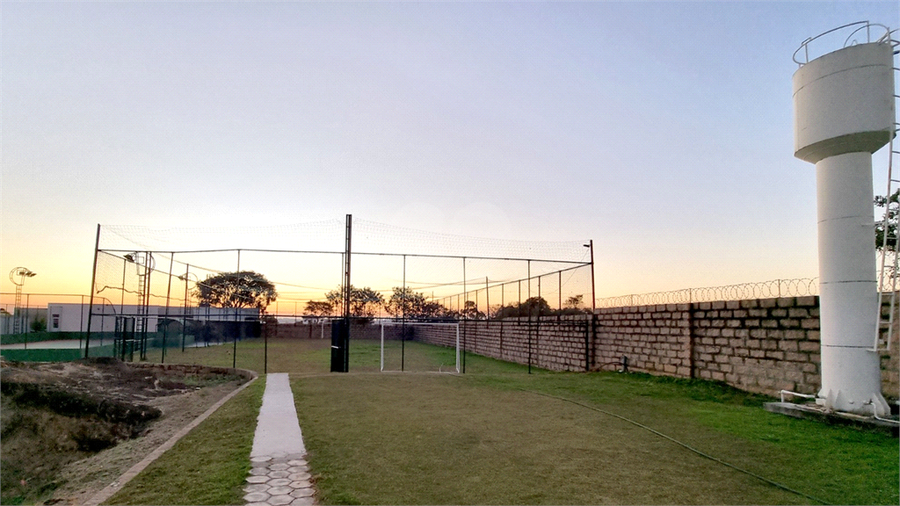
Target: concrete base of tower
x=851, y=381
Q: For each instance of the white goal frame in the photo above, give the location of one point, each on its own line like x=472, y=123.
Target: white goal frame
x=422, y=324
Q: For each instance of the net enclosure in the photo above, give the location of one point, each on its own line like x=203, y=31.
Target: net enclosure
x=192, y=286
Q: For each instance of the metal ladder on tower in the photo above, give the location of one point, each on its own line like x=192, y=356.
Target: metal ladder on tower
x=888, y=328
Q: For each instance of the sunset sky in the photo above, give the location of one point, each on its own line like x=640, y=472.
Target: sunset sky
x=660, y=130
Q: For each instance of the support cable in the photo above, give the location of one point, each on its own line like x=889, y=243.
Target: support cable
x=683, y=445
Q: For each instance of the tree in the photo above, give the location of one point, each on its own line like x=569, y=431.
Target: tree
x=533, y=306
x=575, y=301
x=315, y=308
x=38, y=325
x=364, y=302
x=236, y=290
x=891, y=214
x=470, y=311
x=407, y=303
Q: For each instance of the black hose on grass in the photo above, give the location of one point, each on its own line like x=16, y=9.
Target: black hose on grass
x=683, y=445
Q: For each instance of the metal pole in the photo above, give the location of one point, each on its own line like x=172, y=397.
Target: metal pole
x=187, y=272
x=238, y=325
x=529, y=316
x=593, y=285
x=465, y=317
x=26, y=327
x=346, y=336
x=537, y=329
x=168, y=299
x=403, y=321
x=87, y=337
x=487, y=299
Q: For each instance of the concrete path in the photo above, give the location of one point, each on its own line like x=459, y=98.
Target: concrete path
x=280, y=475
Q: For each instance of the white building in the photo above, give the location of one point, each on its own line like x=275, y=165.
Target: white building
x=65, y=317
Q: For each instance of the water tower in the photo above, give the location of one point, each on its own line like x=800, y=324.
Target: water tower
x=844, y=112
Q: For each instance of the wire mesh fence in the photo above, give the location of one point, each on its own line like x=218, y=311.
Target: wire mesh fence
x=155, y=279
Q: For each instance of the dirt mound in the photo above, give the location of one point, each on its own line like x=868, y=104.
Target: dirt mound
x=54, y=414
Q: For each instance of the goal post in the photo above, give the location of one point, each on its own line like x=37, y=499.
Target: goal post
x=429, y=351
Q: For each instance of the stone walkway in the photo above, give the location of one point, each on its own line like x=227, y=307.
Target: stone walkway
x=280, y=475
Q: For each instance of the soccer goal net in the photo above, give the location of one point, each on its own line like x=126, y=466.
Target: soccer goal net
x=420, y=346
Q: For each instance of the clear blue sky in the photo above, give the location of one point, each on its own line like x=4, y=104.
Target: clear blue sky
x=661, y=130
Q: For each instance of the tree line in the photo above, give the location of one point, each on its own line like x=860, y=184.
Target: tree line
x=244, y=289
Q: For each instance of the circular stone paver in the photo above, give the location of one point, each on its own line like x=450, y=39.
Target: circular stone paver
x=280, y=500
x=257, y=479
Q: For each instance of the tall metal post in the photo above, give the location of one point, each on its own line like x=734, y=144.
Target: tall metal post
x=87, y=336
x=346, y=331
x=465, y=317
x=589, y=340
x=593, y=286
x=237, y=323
x=487, y=299
x=166, y=318
x=403, y=321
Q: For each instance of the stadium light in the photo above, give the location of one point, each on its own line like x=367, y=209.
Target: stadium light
x=21, y=273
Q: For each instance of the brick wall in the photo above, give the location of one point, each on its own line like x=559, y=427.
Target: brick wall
x=758, y=345
x=763, y=345
x=555, y=343
x=655, y=339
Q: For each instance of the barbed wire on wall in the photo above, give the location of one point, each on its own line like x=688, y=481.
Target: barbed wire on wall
x=798, y=287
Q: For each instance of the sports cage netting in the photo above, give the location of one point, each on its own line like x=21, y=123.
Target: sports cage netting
x=146, y=281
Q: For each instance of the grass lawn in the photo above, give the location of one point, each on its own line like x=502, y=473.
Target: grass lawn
x=207, y=466
x=499, y=435
x=432, y=439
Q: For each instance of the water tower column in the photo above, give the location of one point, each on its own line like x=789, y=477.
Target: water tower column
x=843, y=107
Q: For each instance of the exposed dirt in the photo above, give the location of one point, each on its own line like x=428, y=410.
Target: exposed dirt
x=69, y=429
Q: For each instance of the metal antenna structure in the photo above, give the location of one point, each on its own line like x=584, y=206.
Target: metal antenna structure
x=17, y=276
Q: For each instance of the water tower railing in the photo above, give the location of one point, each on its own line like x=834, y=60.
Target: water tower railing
x=860, y=26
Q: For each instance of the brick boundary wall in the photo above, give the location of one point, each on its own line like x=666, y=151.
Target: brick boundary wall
x=555, y=343
x=757, y=345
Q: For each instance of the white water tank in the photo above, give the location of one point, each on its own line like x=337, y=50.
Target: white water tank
x=844, y=112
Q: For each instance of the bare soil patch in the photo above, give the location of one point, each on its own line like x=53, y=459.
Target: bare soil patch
x=69, y=429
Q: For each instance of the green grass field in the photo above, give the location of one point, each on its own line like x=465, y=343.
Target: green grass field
x=499, y=435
